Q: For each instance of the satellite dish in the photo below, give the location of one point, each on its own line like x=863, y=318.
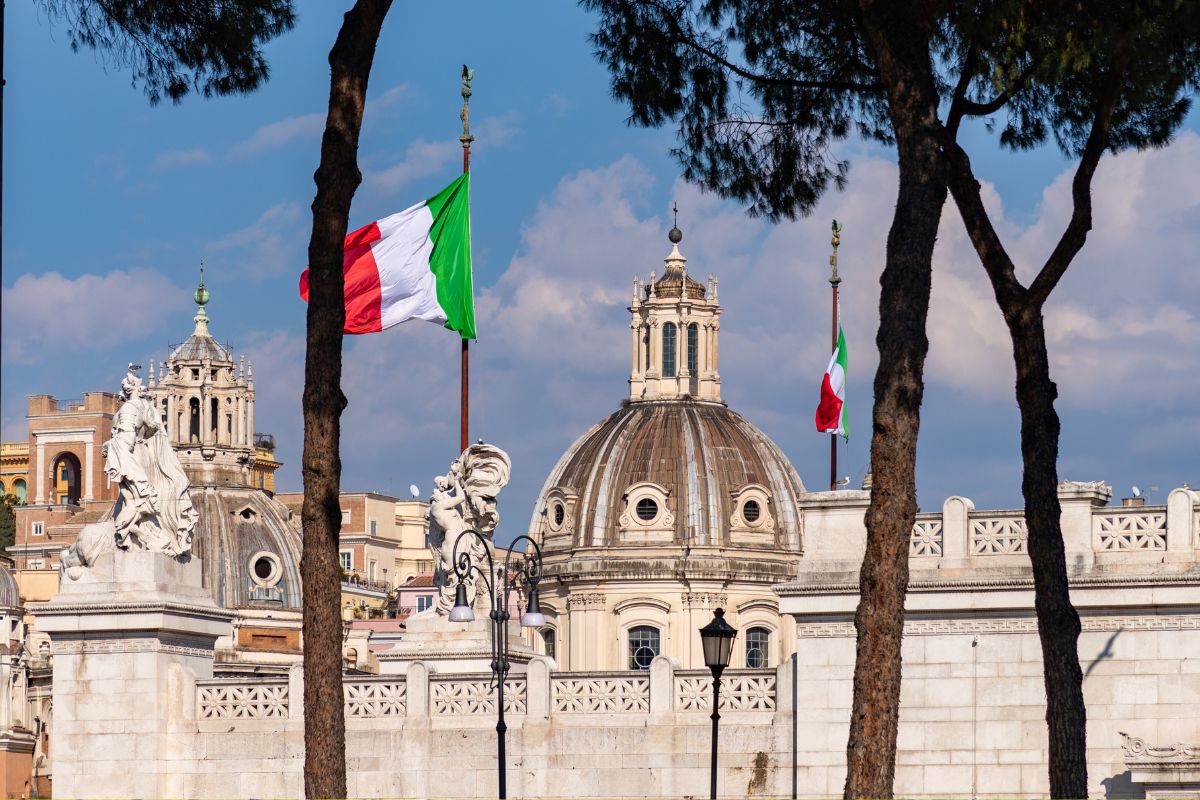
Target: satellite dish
x=1137, y=492
x=414, y=491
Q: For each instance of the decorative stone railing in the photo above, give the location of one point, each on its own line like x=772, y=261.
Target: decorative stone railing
x=998, y=535
x=375, y=697
x=661, y=689
x=960, y=535
x=1119, y=529
x=741, y=690
x=926, y=536
x=469, y=695
x=600, y=693
x=241, y=699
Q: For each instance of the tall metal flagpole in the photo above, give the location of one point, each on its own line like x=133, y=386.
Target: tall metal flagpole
x=466, y=139
x=834, y=280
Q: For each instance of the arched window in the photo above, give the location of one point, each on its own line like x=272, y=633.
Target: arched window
x=669, y=336
x=194, y=419
x=65, y=478
x=548, y=642
x=758, y=647
x=643, y=646
x=693, y=356
x=18, y=488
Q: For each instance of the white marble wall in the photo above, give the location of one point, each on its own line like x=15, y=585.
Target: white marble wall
x=578, y=735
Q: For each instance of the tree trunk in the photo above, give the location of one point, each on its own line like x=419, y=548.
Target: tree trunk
x=1058, y=622
x=337, y=178
x=901, y=50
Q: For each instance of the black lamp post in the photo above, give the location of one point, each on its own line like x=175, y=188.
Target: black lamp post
x=717, y=640
x=517, y=570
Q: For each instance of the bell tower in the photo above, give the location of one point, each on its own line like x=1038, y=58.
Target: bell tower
x=675, y=321
x=207, y=404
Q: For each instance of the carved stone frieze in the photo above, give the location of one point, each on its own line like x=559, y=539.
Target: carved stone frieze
x=1138, y=750
x=586, y=600
x=704, y=599
x=1009, y=625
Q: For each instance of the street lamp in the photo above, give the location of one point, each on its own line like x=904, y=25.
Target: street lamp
x=517, y=570
x=716, y=638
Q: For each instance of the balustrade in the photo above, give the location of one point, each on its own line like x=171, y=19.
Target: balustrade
x=241, y=699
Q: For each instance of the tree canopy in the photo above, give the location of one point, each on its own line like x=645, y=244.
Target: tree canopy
x=213, y=47
x=760, y=92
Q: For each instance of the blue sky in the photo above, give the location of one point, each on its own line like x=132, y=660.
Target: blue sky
x=110, y=205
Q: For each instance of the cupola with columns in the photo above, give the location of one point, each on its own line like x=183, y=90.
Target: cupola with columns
x=675, y=321
x=207, y=404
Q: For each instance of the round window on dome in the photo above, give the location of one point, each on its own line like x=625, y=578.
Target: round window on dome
x=560, y=514
x=751, y=511
x=265, y=569
x=647, y=509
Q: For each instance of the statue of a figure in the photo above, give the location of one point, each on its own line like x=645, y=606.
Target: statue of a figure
x=464, y=499
x=154, y=508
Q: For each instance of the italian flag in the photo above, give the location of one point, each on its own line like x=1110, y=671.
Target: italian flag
x=831, y=413
x=412, y=265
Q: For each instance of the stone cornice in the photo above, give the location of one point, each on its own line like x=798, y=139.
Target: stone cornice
x=100, y=609
x=798, y=589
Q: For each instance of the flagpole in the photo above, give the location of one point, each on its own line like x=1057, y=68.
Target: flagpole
x=466, y=139
x=834, y=280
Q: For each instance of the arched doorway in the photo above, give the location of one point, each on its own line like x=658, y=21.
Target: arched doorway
x=66, y=479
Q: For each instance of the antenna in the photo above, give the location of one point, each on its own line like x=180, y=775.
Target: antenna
x=414, y=490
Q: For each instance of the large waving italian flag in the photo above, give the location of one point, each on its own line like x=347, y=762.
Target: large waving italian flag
x=412, y=265
x=831, y=413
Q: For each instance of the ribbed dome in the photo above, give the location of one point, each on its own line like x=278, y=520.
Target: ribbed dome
x=241, y=528
x=198, y=347
x=10, y=594
x=671, y=285
x=664, y=472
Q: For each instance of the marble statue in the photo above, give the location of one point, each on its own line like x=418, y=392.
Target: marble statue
x=154, y=509
x=464, y=499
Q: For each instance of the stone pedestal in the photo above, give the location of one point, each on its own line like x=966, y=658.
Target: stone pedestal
x=449, y=647
x=129, y=639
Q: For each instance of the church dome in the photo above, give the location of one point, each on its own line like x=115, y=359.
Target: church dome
x=10, y=594
x=201, y=347
x=671, y=472
x=249, y=546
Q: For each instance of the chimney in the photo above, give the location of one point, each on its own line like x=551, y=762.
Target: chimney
x=1133, y=502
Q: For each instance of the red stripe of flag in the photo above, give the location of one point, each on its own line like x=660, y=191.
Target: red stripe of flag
x=364, y=297
x=829, y=412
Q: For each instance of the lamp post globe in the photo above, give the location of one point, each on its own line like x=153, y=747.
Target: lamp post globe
x=716, y=639
x=461, y=612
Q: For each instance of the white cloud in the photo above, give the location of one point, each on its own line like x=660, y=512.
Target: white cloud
x=170, y=159
x=272, y=245
x=423, y=158
x=51, y=317
x=276, y=134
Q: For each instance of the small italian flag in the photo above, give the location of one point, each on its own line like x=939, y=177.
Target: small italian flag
x=831, y=413
x=412, y=265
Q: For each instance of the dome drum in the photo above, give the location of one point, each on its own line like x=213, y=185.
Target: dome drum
x=671, y=472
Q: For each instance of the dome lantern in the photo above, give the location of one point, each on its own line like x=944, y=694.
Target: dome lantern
x=674, y=350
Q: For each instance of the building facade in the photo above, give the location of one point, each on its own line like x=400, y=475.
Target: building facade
x=673, y=506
